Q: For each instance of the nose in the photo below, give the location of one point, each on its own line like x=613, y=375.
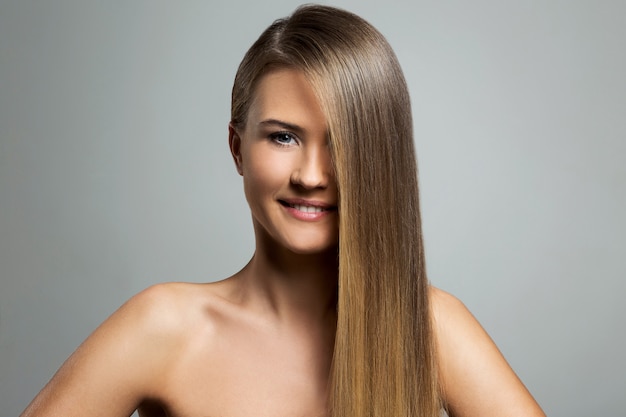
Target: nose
x=314, y=168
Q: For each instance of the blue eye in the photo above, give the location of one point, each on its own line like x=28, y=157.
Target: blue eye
x=283, y=138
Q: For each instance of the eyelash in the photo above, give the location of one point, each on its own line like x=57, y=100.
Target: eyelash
x=275, y=138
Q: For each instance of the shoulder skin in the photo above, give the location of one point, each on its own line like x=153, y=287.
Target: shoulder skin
x=114, y=370
x=476, y=380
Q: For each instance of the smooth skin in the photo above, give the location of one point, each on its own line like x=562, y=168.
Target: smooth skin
x=260, y=342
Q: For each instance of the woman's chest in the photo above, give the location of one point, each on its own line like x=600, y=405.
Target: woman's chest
x=245, y=380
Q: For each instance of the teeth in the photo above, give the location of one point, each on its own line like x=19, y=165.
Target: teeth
x=307, y=209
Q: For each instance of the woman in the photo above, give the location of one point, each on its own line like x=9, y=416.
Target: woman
x=333, y=315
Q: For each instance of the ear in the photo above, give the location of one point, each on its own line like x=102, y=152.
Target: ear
x=234, y=143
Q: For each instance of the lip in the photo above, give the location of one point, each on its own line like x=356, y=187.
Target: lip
x=317, y=209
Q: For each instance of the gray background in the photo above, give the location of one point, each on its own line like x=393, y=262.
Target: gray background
x=115, y=172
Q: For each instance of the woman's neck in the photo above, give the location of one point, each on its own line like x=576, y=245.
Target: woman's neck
x=291, y=286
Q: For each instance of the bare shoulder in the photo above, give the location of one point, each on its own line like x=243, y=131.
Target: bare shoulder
x=475, y=377
x=453, y=320
x=163, y=307
x=175, y=310
x=445, y=306
x=167, y=318
x=125, y=360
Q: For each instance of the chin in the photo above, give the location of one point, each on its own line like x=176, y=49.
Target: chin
x=313, y=249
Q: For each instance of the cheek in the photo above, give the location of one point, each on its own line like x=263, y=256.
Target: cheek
x=265, y=174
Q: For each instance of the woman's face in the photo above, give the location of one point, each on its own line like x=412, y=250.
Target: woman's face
x=282, y=154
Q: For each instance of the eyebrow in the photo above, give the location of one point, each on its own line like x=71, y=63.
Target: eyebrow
x=282, y=124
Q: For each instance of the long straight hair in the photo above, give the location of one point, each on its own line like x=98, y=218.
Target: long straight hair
x=384, y=355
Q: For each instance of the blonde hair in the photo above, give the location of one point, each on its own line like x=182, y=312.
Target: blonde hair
x=384, y=359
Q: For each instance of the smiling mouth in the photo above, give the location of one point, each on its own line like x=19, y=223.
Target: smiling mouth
x=308, y=208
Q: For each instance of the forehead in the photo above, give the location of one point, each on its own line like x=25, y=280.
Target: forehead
x=286, y=95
